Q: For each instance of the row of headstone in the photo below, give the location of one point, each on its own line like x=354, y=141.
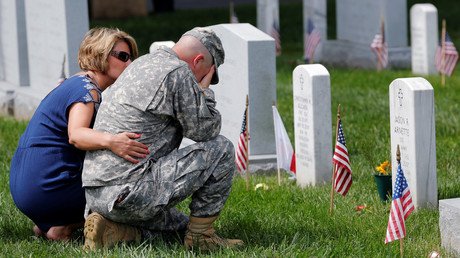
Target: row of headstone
x=351, y=48
x=411, y=121
x=249, y=69
x=36, y=36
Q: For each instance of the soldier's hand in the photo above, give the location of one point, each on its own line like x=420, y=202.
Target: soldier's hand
x=206, y=81
x=125, y=146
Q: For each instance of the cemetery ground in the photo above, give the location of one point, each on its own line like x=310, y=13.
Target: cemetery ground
x=286, y=220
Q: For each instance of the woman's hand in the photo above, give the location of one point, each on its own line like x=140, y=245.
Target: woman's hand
x=125, y=146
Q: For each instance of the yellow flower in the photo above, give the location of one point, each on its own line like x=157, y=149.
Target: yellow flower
x=384, y=168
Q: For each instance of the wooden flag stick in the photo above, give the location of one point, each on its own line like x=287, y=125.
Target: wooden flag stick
x=379, y=57
x=401, y=247
x=246, y=140
x=443, y=52
x=277, y=163
x=331, y=208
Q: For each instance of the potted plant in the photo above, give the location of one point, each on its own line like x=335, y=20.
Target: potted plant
x=383, y=180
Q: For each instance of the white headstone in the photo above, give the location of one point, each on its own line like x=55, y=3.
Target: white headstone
x=312, y=124
x=316, y=11
x=412, y=127
x=267, y=15
x=249, y=69
x=424, y=38
x=155, y=45
x=449, y=225
x=14, y=67
x=55, y=29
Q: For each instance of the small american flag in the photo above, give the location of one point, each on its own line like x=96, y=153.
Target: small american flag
x=380, y=48
x=450, y=57
x=341, y=162
x=401, y=207
x=275, y=33
x=312, y=39
x=241, y=153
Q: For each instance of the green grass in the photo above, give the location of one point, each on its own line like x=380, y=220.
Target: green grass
x=286, y=221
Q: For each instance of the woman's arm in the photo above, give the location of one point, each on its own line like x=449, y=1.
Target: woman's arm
x=85, y=138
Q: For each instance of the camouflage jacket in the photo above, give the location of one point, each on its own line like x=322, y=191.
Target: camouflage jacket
x=157, y=96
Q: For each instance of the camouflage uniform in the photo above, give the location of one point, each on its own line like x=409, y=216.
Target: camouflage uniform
x=159, y=97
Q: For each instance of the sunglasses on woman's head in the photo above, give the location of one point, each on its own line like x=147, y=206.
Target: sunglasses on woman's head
x=121, y=55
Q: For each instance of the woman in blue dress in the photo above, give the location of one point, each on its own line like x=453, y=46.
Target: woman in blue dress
x=45, y=175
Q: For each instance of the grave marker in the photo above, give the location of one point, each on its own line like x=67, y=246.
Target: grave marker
x=424, y=38
x=412, y=126
x=249, y=69
x=312, y=124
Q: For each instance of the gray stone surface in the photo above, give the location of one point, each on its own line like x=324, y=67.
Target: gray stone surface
x=449, y=225
x=312, y=124
x=267, y=14
x=35, y=35
x=249, y=69
x=424, y=38
x=316, y=10
x=358, y=21
x=412, y=127
x=14, y=66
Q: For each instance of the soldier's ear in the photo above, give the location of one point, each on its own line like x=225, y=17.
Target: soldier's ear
x=198, y=58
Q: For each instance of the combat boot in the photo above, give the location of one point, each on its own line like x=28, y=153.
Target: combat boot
x=102, y=233
x=201, y=235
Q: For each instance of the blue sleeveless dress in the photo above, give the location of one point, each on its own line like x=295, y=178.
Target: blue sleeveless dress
x=45, y=173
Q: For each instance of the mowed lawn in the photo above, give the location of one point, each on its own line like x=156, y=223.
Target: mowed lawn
x=286, y=221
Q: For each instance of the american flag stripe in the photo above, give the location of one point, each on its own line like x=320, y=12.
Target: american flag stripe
x=341, y=155
x=275, y=33
x=241, y=154
x=397, y=228
x=241, y=151
x=342, y=169
x=380, y=48
x=312, y=39
x=450, y=57
x=408, y=205
x=401, y=207
x=342, y=182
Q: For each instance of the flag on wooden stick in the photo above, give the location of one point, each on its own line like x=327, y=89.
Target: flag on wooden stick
x=285, y=156
x=242, y=153
x=446, y=56
x=401, y=206
x=341, y=162
x=312, y=39
x=275, y=33
x=380, y=48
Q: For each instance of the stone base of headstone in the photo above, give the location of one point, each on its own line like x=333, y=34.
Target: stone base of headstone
x=262, y=163
x=449, y=225
x=19, y=102
x=343, y=53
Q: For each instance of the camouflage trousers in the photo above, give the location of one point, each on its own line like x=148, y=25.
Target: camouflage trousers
x=202, y=170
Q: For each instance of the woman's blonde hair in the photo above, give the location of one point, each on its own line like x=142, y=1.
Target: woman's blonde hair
x=97, y=44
